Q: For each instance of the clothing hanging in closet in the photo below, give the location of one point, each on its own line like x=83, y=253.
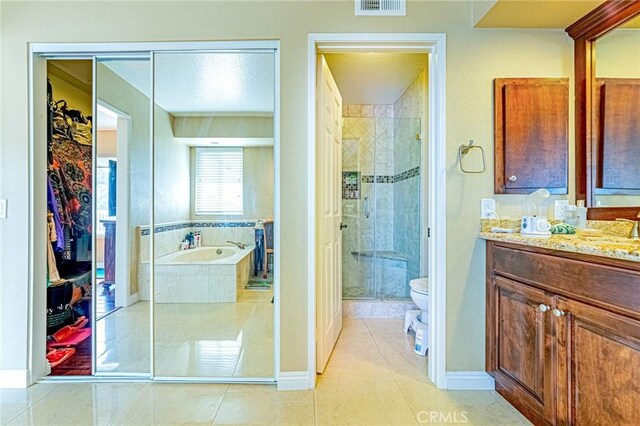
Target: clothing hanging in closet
x=71, y=170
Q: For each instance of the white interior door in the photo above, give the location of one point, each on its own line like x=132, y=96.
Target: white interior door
x=329, y=214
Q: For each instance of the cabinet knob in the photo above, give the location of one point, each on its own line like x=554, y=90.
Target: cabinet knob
x=558, y=312
x=543, y=307
x=513, y=178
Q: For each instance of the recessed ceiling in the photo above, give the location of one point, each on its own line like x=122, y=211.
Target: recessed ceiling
x=205, y=83
x=536, y=13
x=374, y=78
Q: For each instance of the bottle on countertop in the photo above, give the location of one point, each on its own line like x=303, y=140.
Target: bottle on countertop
x=581, y=212
x=571, y=215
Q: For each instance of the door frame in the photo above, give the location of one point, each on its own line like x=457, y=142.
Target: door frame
x=435, y=207
x=123, y=261
x=38, y=54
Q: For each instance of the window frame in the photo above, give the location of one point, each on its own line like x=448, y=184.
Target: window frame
x=198, y=151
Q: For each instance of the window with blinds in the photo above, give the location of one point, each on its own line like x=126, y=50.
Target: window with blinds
x=218, y=181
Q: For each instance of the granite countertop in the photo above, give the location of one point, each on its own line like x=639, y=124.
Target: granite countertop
x=602, y=239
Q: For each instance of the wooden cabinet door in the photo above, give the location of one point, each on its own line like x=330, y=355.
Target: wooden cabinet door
x=616, y=130
x=531, y=132
x=598, y=366
x=520, y=347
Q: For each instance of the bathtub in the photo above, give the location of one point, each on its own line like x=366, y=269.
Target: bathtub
x=210, y=274
x=215, y=255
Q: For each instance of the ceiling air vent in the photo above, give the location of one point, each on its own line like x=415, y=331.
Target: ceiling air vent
x=381, y=7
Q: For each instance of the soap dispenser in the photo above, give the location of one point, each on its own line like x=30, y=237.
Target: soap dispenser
x=581, y=212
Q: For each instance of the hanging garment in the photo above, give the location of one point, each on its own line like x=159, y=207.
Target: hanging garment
x=52, y=205
x=71, y=182
x=54, y=276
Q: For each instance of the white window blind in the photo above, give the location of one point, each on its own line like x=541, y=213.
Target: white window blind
x=219, y=181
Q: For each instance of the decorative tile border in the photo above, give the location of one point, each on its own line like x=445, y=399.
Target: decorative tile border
x=198, y=224
x=407, y=174
x=384, y=179
x=390, y=178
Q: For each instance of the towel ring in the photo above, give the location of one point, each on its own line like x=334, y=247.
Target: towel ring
x=464, y=150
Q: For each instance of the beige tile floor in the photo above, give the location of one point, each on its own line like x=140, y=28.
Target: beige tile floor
x=191, y=339
x=373, y=378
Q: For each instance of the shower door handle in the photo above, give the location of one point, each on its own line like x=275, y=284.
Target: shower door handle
x=366, y=207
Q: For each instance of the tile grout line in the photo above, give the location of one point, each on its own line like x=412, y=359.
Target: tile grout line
x=393, y=376
x=226, y=390
x=133, y=397
x=242, y=349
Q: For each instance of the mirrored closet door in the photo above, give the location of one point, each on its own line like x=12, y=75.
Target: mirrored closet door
x=160, y=242
x=123, y=209
x=213, y=191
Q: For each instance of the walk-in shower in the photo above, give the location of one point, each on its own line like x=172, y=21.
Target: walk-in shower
x=381, y=196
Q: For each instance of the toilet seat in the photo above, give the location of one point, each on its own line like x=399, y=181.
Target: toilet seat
x=420, y=286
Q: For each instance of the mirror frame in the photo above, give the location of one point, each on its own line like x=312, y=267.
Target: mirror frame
x=584, y=32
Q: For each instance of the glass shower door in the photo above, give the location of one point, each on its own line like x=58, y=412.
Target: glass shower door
x=381, y=202
x=358, y=203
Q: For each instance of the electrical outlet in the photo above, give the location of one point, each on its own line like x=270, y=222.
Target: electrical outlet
x=3, y=209
x=488, y=208
x=558, y=209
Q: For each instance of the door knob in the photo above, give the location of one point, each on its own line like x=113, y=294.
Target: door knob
x=513, y=178
x=558, y=312
x=543, y=307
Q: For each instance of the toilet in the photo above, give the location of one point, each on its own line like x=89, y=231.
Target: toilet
x=417, y=319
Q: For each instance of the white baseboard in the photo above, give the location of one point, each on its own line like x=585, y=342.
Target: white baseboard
x=293, y=380
x=469, y=380
x=14, y=379
x=133, y=298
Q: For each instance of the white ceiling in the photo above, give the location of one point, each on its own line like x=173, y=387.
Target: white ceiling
x=205, y=83
x=107, y=120
x=374, y=78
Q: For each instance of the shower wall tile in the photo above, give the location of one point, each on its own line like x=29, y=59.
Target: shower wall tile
x=355, y=110
x=408, y=111
x=367, y=111
x=409, y=104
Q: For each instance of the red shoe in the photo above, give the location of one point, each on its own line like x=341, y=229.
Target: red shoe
x=58, y=356
x=65, y=332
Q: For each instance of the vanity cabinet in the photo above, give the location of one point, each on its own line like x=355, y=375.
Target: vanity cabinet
x=563, y=334
x=598, y=366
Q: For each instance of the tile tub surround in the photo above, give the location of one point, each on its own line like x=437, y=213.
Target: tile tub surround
x=197, y=282
x=169, y=236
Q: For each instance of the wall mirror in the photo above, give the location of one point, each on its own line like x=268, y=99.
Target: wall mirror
x=607, y=96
